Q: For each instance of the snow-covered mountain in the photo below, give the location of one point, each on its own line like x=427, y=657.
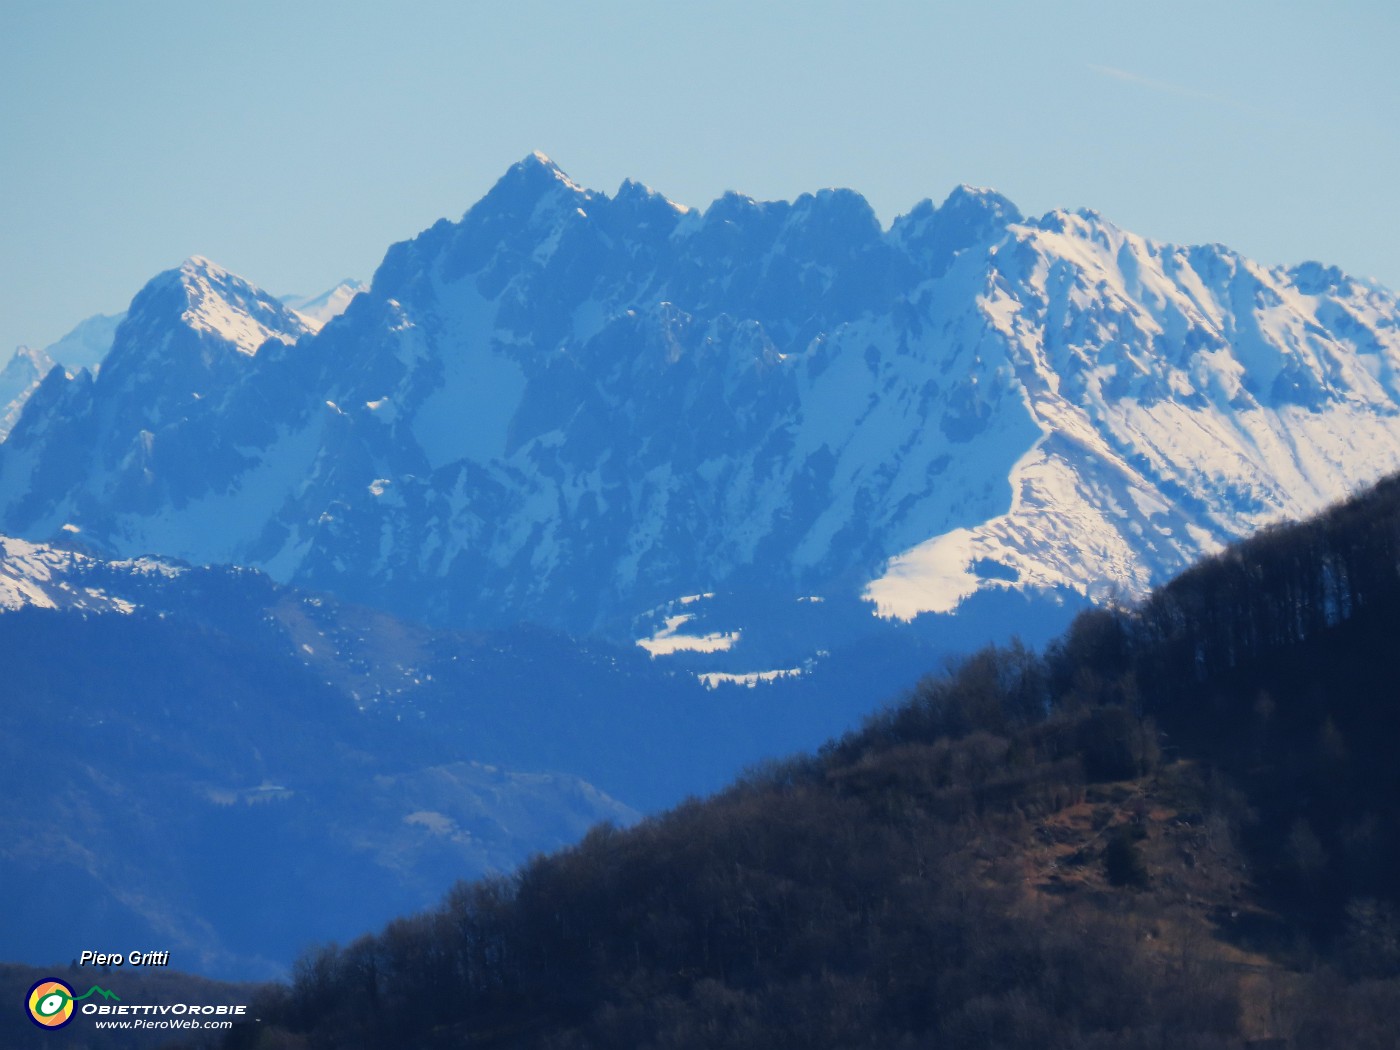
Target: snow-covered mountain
x=18, y=379
x=87, y=344
x=577, y=408
x=189, y=333
x=318, y=309
x=83, y=347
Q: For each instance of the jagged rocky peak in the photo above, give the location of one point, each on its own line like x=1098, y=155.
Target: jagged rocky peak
x=977, y=207
x=520, y=218
x=538, y=159
x=27, y=365
x=933, y=234
x=525, y=186
x=197, y=315
x=831, y=223
x=739, y=209
x=1315, y=278
x=639, y=193
x=1072, y=221
x=18, y=380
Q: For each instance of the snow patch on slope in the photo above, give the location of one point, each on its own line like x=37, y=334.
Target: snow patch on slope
x=669, y=640
x=747, y=679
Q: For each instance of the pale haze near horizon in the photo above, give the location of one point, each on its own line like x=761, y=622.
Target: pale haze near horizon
x=293, y=143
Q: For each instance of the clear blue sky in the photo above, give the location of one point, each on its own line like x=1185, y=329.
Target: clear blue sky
x=294, y=141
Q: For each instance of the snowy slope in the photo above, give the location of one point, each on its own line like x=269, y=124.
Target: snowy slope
x=227, y=307
x=84, y=347
x=575, y=408
x=1184, y=396
x=36, y=575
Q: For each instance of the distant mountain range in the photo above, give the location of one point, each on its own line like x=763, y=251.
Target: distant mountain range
x=576, y=409
x=332, y=303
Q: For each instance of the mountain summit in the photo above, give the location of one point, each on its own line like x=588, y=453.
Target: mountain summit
x=578, y=408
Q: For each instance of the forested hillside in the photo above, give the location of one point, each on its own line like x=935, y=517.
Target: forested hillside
x=1173, y=828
